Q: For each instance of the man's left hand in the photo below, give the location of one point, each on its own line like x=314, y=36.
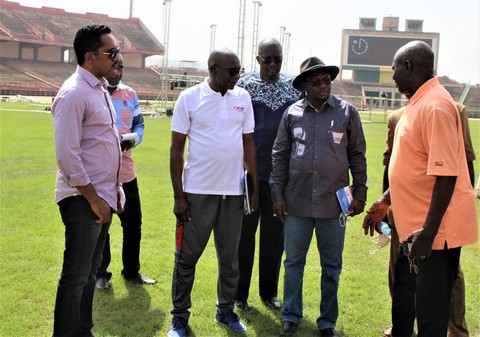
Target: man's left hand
x=127, y=144
x=356, y=207
x=422, y=244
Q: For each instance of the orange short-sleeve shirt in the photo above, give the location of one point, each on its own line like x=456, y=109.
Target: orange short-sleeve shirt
x=429, y=143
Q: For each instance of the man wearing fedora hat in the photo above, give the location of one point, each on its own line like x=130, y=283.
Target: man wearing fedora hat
x=319, y=141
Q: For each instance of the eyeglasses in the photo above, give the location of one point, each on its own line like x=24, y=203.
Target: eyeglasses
x=317, y=83
x=232, y=71
x=268, y=60
x=112, y=53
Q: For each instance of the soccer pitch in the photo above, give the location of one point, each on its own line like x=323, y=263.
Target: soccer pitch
x=32, y=239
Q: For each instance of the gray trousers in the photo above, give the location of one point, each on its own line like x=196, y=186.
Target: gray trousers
x=223, y=215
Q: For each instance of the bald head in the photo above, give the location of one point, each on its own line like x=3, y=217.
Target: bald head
x=421, y=57
x=224, y=70
x=269, y=59
x=268, y=43
x=218, y=55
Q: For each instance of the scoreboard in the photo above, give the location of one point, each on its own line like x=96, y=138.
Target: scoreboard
x=361, y=49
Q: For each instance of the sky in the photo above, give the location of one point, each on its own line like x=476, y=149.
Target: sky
x=315, y=27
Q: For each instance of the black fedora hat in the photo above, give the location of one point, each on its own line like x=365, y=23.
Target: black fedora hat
x=310, y=65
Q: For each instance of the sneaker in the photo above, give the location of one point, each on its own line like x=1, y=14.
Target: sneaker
x=231, y=321
x=179, y=328
x=242, y=305
x=102, y=283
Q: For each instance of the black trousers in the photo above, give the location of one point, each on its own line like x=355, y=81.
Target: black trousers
x=131, y=220
x=425, y=295
x=270, y=248
x=84, y=240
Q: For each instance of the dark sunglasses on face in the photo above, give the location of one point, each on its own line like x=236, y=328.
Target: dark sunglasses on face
x=317, y=83
x=268, y=60
x=112, y=53
x=232, y=71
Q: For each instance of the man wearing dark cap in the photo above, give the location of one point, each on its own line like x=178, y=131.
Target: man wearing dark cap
x=319, y=141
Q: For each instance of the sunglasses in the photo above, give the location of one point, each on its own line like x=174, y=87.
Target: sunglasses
x=317, y=83
x=232, y=71
x=268, y=60
x=112, y=53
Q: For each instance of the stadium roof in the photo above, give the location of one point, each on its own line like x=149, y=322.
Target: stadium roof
x=54, y=26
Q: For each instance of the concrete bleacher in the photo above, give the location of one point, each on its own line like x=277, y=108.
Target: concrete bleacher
x=53, y=25
x=455, y=90
x=50, y=73
x=15, y=80
x=472, y=101
x=12, y=23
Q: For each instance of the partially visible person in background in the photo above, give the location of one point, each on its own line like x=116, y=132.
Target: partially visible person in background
x=271, y=92
x=88, y=155
x=129, y=120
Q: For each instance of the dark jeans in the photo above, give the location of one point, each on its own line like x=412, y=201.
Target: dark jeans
x=84, y=241
x=131, y=220
x=270, y=248
x=425, y=296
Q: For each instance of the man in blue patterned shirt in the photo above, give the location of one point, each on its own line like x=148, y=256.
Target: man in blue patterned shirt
x=271, y=92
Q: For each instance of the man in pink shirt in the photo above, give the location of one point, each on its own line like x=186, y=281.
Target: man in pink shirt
x=431, y=194
x=88, y=156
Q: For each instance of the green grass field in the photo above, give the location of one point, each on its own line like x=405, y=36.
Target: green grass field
x=32, y=239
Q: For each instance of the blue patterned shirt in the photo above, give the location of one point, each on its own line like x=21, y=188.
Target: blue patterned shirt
x=269, y=102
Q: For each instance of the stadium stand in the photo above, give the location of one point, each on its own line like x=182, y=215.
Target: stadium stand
x=36, y=56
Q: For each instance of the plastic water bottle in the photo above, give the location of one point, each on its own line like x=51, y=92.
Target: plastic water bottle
x=385, y=228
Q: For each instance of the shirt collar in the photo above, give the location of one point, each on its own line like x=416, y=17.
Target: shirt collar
x=91, y=79
x=329, y=101
x=423, y=89
x=208, y=91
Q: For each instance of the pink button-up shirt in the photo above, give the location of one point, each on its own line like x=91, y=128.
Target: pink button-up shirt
x=86, y=139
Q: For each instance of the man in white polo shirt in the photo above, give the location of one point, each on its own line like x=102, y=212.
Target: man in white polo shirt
x=217, y=118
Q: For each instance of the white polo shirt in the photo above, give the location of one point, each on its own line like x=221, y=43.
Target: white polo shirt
x=214, y=125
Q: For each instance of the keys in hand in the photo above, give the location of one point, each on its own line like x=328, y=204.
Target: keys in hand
x=413, y=265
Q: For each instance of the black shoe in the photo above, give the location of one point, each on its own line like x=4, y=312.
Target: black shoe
x=140, y=279
x=102, y=283
x=329, y=332
x=273, y=303
x=288, y=328
x=242, y=305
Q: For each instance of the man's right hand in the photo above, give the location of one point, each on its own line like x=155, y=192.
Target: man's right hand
x=102, y=210
x=280, y=210
x=181, y=209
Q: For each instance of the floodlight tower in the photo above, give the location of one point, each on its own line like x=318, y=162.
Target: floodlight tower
x=213, y=31
x=282, y=35
x=241, y=31
x=256, y=11
x=130, y=15
x=166, y=38
x=287, y=52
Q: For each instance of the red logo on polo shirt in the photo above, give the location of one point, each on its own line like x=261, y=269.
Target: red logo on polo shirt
x=239, y=108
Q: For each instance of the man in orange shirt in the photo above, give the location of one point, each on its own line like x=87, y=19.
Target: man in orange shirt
x=433, y=199
x=457, y=326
